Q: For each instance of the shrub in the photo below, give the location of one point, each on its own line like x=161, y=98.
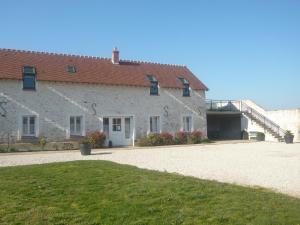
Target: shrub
x=166, y=138
x=195, y=137
x=42, y=142
x=144, y=142
x=96, y=138
x=181, y=137
x=288, y=133
x=245, y=135
x=260, y=136
x=85, y=141
x=3, y=150
x=155, y=139
x=206, y=140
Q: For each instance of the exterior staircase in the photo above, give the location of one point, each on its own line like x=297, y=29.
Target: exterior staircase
x=242, y=107
x=273, y=128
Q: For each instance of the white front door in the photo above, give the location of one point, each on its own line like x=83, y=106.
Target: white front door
x=120, y=130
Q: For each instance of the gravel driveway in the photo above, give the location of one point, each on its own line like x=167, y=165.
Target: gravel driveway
x=270, y=165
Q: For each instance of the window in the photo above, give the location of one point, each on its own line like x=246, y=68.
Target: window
x=29, y=78
x=127, y=128
x=186, y=90
x=106, y=126
x=28, y=125
x=186, y=87
x=154, y=85
x=187, y=124
x=116, y=124
x=71, y=69
x=76, y=125
x=154, y=124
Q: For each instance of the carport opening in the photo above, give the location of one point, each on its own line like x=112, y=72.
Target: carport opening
x=224, y=126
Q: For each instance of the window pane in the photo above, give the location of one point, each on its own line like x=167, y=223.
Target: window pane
x=29, y=82
x=117, y=124
x=187, y=124
x=32, y=125
x=78, y=125
x=71, y=69
x=25, y=125
x=154, y=124
x=151, y=127
x=29, y=69
x=106, y=126
x=186, y=90
x=127, y=127
x=151, y=78
x=72, y=125
x=154, y=88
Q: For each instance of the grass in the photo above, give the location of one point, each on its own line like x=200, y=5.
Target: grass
x=100, y=192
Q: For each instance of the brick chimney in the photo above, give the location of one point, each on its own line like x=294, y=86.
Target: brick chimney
x=115, y=56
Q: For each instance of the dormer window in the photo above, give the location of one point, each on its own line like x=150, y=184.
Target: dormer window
x=154, y=85
x=186, y=87
x=71, y=69
x=29, y=78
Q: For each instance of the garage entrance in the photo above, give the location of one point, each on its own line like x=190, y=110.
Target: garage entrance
x=224, y=126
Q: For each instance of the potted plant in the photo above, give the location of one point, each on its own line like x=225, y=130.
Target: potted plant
x=245, y=135
x=260, y=136
x=85, y=147
x=288, y=137
x=42, y=142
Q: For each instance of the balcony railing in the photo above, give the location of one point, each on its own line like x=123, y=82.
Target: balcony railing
x=223, y=105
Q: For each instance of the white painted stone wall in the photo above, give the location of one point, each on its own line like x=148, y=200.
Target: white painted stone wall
x=287, y=120
x=53, y=103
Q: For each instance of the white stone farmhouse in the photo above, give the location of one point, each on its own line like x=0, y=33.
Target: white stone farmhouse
x=65, y=96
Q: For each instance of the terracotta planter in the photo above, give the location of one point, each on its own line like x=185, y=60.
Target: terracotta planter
x=85, y=149
x=289, y=139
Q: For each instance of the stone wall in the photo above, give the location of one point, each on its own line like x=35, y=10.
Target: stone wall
x=287, y=120
x=53, y=103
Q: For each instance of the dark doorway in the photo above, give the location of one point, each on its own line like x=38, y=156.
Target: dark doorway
x=224, y=126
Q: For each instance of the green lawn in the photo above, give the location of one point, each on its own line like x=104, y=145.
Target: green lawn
x=100, y=192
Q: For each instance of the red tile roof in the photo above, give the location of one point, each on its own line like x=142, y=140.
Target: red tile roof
x=52, y=67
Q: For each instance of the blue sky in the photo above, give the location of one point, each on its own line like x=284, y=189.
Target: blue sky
x=239, y=49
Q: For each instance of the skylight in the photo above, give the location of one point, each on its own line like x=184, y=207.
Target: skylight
x=183, y=80
x=151, y=78
x=71, y=69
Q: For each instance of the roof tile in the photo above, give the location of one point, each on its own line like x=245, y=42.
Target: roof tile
x=52, y=67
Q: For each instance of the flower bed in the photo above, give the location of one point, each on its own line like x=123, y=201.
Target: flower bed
x=166, y=138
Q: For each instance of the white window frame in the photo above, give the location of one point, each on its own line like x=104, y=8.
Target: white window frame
x=82, y=131
x=28, y=124
x=158, y=125
x=191, y=123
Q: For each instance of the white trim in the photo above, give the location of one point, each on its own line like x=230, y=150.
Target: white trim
x=35, y=85
x=68, y=129
x=132, y=125
x=20, y=126
x=133, y=131
x=192, y=121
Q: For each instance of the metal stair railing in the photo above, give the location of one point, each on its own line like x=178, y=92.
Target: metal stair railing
x=266, y=122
